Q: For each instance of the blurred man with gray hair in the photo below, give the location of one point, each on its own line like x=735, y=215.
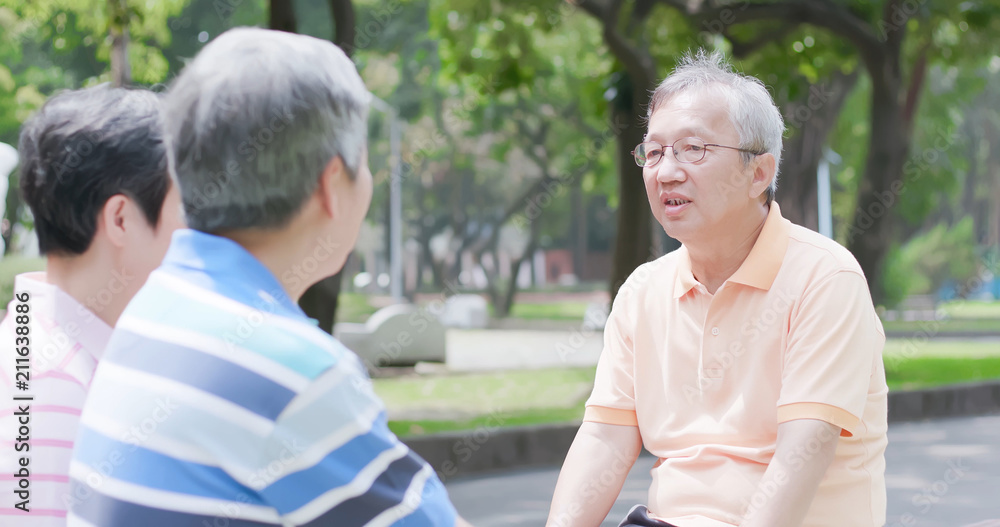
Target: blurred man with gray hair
x=749, y=361
x=219, y=402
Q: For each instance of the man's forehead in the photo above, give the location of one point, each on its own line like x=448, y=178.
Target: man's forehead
x=689, y=113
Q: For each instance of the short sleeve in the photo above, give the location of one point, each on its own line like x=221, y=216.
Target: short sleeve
x=834, y=338
x=332, y=460
x=613, y=398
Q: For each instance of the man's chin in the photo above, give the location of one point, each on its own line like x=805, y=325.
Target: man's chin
x=677, y=229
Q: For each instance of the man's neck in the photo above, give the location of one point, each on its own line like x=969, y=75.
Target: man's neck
x=85, y=278
x=714, y=262
x=288, y=254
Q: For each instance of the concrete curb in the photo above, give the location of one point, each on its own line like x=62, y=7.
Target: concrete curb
x=944, y=335
x=945, y=401
x=492, y=448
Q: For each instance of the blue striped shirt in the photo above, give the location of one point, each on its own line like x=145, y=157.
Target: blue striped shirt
x=220, y=404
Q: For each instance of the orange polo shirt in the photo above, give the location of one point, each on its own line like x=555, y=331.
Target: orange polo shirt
x=708, y=378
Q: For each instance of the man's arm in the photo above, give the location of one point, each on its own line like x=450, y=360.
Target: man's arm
x=805, y=448
x=593, y=474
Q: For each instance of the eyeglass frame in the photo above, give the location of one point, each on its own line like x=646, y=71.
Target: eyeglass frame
x=671, y=145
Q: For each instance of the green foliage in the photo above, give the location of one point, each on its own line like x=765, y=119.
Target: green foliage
x=12, y=266
x=923, y=264
x=49, y=45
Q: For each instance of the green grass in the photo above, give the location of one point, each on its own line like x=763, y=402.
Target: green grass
x=551, y=311
x=972, y=309
x=468, y=395
x=537, y=416
x=354, y=307
x=945, y=326
x=955, y=349
x=924, y=372
x=427, y=405
x=12, y=266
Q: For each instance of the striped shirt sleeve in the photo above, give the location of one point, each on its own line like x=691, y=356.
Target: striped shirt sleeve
x=331, y=460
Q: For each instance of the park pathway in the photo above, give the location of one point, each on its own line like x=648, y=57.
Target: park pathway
x=943, y=473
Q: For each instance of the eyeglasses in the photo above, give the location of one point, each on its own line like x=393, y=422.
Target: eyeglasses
x=686, y=150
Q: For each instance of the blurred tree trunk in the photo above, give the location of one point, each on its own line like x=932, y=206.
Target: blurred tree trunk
x=634, y=238
x=812, y=117
x=578, y=214
x=282, y=16
x=118, y=13
x=343, y=25
x=12, y=212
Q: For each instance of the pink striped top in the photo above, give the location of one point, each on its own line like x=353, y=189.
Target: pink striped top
x=65, y=341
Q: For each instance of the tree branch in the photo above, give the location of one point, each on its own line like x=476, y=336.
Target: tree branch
x=743, y=48
x=917, y=77
x=638, y=64
x=820, y=13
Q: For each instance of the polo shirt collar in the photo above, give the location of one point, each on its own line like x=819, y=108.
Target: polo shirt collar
x=234, y=271
x=761, y=265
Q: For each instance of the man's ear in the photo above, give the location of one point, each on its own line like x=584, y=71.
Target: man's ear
x=113, y=219
x=330, y=188
x=763, y=173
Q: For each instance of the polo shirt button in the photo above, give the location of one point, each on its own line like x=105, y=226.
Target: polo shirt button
x=715, y=331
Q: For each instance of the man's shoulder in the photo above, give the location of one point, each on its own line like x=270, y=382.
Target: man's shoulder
x=808, y=249
x=652, y=275
x=261, y=336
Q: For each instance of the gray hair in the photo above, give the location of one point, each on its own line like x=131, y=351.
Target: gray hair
x=252, y=122
x=751, y=108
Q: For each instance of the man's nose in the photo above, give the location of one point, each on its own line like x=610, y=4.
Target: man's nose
x=669, y=169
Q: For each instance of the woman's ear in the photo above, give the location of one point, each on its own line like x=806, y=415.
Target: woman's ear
x=113, y=219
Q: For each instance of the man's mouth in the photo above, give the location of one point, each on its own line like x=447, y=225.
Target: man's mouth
x=677, y=201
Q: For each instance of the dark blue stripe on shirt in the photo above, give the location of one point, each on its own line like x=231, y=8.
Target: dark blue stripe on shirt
x=141, y=466
x=205, y=372
x=387, y=491
x=104, y=511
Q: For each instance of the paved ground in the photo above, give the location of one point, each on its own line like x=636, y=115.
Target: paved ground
x=943, y=473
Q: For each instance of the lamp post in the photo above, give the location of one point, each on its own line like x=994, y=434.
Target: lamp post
x=395, y=200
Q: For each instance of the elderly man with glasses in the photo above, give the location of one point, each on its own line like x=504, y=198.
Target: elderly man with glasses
x=749, y=360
